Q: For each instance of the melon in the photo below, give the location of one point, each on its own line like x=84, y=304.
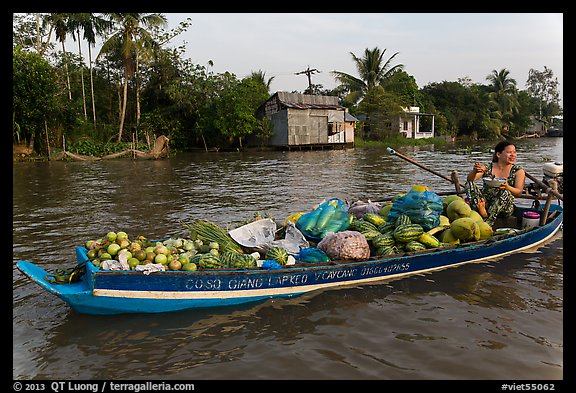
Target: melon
x=449, y=199
x=465, y=229
x=458, y=209
x=448, y=237
x=475, y=216
x=486, y=230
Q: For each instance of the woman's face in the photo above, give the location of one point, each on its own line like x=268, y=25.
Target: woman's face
x=508, y=155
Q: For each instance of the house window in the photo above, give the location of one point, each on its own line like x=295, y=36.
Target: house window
x=405, y=128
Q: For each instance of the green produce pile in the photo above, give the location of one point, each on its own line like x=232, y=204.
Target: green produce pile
x=458, y=224
x=209, y=246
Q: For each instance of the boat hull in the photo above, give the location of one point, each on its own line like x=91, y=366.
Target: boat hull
x=104, y=292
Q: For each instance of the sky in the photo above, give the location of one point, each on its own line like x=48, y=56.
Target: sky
x=433, y=47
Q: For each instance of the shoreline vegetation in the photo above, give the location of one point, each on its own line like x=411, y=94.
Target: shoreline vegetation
x=91, y=150
x=71, y=107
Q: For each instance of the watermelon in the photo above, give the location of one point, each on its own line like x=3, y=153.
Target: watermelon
x=407, y=232
x=279, y=254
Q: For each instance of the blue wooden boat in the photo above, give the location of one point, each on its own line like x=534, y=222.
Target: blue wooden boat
x=115, y=292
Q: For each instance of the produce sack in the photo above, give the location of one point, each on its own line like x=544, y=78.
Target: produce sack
x=359, y=208
x=330, y=216
x=312, y=254
x=345, y=245
x=423, y=207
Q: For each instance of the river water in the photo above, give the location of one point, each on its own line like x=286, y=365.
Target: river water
x=499, y=320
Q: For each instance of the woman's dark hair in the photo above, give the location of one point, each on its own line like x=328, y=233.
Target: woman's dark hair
x=499, y=148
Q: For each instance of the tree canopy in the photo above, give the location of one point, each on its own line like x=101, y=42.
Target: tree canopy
x=139, y=87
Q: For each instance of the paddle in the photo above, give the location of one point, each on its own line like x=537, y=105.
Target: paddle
x=411, y=160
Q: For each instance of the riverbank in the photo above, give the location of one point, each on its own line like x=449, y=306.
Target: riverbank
x=88, y=150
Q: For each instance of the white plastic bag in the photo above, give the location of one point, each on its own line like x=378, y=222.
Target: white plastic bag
x=260, y=235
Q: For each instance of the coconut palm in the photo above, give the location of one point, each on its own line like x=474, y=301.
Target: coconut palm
x=372, y=71
x=503, y=95
x=60, y=23
x=91, y=26
x=260, y=77
x=131, y=38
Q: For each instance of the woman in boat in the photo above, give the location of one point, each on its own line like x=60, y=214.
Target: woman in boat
x=493, y=202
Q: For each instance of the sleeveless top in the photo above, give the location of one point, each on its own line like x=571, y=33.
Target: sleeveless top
x=493, y=192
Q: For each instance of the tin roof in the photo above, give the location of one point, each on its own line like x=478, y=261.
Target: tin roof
x=300, y=105
x=307, y=101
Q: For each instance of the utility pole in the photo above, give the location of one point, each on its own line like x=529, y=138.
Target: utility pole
x=308, y=72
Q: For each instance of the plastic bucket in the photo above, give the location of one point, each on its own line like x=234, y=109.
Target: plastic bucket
x=530, y=220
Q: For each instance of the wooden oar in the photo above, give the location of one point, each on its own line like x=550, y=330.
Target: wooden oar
x=411, y=160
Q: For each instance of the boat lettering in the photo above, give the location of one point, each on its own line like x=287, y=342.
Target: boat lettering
x=329, y=275
x=245, y=283
x=291, y=279
x=394, y=267
x=210, y=284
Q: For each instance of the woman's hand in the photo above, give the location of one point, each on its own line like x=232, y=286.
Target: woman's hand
x=477, y=172
x=479, y=168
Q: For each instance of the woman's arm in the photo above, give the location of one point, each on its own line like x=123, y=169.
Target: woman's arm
x=518, y=187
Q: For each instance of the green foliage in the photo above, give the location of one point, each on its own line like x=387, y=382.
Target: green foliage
x=34, y=92
x=195, y=107
x=396, y=141
x=88, y=147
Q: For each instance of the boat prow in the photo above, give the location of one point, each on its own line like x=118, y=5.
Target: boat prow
x=67, y=292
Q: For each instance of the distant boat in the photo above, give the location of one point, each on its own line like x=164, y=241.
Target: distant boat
x=555, y=132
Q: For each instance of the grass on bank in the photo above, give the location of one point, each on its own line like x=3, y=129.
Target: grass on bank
x=397, y=141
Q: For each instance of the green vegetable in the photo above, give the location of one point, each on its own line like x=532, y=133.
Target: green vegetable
x=208, y=232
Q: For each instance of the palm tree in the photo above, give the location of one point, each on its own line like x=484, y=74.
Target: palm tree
x=92, y=26
x=503, y=95
x=60, y=22
x=260, y=77
x=372, y=72
x=130, y=38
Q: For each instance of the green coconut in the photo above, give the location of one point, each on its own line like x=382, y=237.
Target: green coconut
x=465, y=229
x=446, y=236
x=458, y=209
x=449, y=199
x=486, y=230
x=475, y=216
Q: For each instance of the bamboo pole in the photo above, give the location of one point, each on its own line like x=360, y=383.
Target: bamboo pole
x=454, y=178
x=47, y=139
x=544, y=215
x=392, y=151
